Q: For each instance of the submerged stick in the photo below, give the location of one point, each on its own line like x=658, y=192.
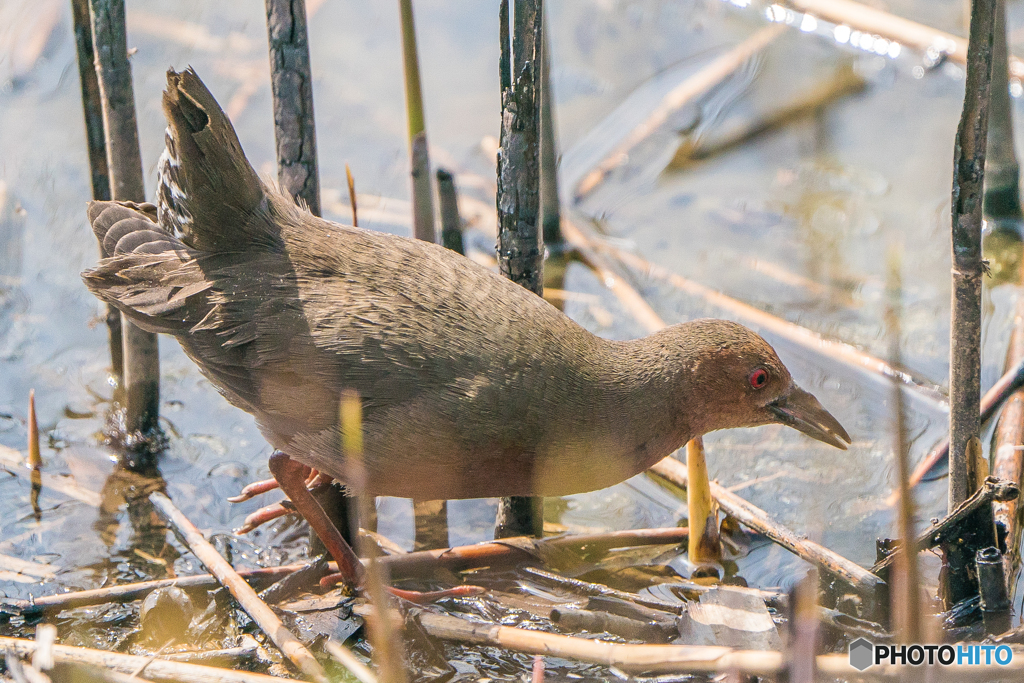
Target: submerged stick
x=422, y=194
x=155, y=668
x=98, y=172
x=124, y=163
x=291, y=80
x=757, y=519
x=267, y=620
x=684, y=93
x=846, y=354
x=518, y=197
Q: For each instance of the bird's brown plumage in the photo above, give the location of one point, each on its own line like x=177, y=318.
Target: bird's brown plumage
x=471, y=385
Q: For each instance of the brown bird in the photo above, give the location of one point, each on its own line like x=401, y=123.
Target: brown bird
x=471, y=386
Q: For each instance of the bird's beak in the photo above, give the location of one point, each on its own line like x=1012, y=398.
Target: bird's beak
x=801, y=411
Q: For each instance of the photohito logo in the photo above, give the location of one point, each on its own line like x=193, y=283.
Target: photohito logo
x=864, y=654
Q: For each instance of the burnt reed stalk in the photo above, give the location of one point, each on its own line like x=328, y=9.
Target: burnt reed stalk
x=124, y=164
x=451, y=222
x=98, y=172
x=965, y=319
x=519, y=248
x=291, y=81
x=550, y=210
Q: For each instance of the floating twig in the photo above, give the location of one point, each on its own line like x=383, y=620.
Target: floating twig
x=291, y=80
x=156, y=669
x=267, y=620
x=124, y=163
x=757, y=519
x=684, y=93
x=422, y=195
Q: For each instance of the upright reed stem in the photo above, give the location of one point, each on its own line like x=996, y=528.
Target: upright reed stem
x=422, y=195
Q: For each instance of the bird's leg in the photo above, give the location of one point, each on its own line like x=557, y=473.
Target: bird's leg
x=291, y=476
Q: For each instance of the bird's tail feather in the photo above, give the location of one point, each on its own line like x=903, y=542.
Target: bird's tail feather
x=208, y=194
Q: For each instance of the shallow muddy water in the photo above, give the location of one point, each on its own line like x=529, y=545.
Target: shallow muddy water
x=821, y=199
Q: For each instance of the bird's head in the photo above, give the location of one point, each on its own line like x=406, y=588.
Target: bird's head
x=737, y=380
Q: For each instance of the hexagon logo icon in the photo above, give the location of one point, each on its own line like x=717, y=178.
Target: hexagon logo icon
x=861, y=654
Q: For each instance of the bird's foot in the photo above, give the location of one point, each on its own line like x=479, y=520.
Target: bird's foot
x=266, y=514
x=292, y=476
x=314, y=480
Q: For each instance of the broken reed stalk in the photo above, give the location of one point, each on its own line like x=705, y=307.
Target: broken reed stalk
x=870, y=20
x=520, y=257
x=291, y=81
x=550, y=209
x=422, y=195
x=98, y=173
x=352, y=196
x=905, y=595
x=965, y=317
x=704, y=544
x=387, y=654
x=156, y=669
x=687, y=91
x=757, y=519
x=451, y=222
x=1002, y=170
x=265, y=617
x=35, y=459
x=416, y=564
x=124, y=163
x=1008, y=446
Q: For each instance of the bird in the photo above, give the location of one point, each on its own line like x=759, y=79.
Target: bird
x=470, y=385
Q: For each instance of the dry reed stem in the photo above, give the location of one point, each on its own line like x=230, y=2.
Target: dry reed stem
x=387, y=648
x=141, y=379
x=757, y=519
x=684, y=93
x=156, y=669
x=352, y=196
x=342, y=655
x=35, y=460
x=906, y=592
x=14, y=461
x=265, y=617
x=422, y=193
x=291, y=80
x=704, y=543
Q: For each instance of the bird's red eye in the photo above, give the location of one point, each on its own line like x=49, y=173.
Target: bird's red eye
x=758, y=378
